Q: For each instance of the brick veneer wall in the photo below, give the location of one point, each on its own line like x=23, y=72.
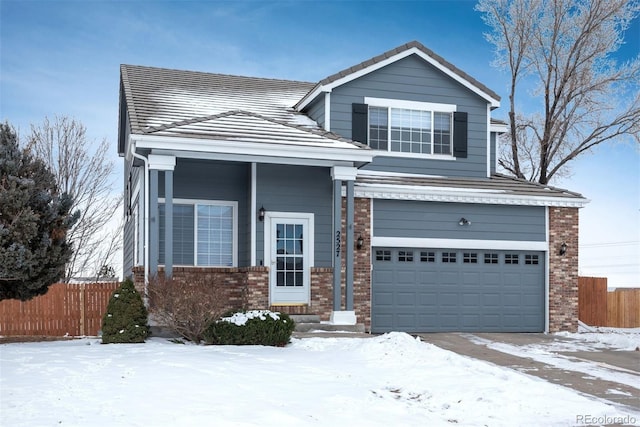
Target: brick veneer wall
x=361, y=261
x=248, y=287
x=563, y=270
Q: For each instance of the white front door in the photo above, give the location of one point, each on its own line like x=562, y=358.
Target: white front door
x=288, y=252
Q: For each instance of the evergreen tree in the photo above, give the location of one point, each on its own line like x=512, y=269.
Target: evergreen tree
x=126, y=318
x=34, y=221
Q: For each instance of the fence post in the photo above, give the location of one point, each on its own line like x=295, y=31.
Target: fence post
x=83, y=311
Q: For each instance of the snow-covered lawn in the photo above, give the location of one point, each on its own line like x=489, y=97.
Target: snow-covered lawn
x=390, y=380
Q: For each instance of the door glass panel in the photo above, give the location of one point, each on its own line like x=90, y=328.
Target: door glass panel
x=289, y=259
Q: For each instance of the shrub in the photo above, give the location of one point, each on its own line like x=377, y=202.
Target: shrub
x=126, y=318
x=186, y=307
x=255, y=327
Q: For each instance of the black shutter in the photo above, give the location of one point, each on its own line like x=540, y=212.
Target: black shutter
x=460, y=134
x=360, y=123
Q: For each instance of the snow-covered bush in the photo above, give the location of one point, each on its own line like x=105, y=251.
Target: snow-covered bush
x=254, y=327
x=126, y=318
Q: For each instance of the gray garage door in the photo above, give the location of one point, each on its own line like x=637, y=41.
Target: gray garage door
x=437, y=290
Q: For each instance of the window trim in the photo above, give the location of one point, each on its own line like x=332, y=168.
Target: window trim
x=413, y=105
x=195, y=203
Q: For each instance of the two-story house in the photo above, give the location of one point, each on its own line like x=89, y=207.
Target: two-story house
x=371, y=197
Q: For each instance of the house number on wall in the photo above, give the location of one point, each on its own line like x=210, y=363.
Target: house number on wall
x=338, y=244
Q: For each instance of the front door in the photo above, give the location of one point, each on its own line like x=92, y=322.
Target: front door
x=289, y=256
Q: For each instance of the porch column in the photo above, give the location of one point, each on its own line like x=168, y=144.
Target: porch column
x=349, y=243
x=166, y=164
x=337, y=243
x=343, y=243
x=168, y=223
x=154, y=223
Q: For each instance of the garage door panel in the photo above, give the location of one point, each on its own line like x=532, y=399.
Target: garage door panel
x=420, y=296
x=404, y=299
x=405, y=277
x=406, y=320
x=448, y=277
x=382, y=299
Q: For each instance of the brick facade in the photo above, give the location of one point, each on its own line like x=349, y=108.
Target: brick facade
x=361, y=261
x=248, y=287
x=563, y=270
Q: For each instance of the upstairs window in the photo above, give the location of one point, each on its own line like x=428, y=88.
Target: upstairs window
x=402, y=130
x=410, y=127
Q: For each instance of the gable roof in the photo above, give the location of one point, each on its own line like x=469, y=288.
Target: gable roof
x=393, y=55
x=190, y=104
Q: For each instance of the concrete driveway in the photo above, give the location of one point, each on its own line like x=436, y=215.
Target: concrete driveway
x=608, y=374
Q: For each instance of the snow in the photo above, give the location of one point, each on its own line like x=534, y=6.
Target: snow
x=241, y=319
x=393, y=379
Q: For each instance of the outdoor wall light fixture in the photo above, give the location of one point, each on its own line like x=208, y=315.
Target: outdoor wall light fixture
x=464, y=221
x=563, y=248
x=261, y=213
x=360, y=242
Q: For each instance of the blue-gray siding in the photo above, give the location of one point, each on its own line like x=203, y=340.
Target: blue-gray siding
x=413, y=79
x=403, y=218
x=315, y=110
x=212, y=180
x=283, y=188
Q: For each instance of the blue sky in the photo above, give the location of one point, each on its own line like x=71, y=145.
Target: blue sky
x=63, y=57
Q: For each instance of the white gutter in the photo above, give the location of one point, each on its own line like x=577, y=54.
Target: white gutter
x=145, y=221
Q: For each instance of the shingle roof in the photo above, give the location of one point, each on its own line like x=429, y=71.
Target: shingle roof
x=245, y=126
x=379, y=58
x=195, y=104
x=497, y=185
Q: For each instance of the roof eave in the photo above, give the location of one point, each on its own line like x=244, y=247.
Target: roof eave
x=342, y=153
x=458, y=195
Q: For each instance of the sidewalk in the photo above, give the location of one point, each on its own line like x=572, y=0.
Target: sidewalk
x=471, y=345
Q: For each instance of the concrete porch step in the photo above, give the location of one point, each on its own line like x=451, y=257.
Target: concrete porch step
x=305, y=318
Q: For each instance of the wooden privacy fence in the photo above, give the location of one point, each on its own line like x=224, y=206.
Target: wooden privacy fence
x=599, y=307
x=66, y=309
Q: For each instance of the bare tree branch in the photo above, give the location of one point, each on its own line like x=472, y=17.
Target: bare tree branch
x=559, y=56
x=84, y=171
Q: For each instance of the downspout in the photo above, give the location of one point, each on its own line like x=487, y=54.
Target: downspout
x=145, y=219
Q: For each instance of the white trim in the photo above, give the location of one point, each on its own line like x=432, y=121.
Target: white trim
x=343, y=318
x=410, y=105
x=495, y=159
x=145, y=219
x=308, y=254
x=352, y=76
x=253, y=212
x=251, y=158
x=344, y=173
x=383, y=153
x=498, y=127
x=327, y=111
x=337, y=150
x=489, y=141
x=546, y=272
x=162, y=162
x=374, y=173
x=459, y=195
x=419, y=242
x=195, y=203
